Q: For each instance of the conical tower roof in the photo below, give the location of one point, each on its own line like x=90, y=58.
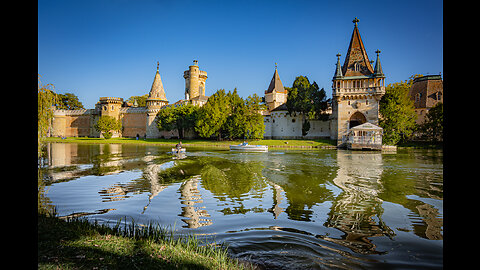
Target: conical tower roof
x=275, y=84
x=356, y=61
x=338, y=71
x=378, y=67
x=157, y=92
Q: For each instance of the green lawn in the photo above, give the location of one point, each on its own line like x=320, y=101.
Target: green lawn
x=224, y=144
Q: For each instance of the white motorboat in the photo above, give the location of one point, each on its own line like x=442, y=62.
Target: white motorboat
x=250, y=148
x=179, y=151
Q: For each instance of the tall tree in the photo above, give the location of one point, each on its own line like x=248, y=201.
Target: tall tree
x=213, y=115
x=397, y=112
x=227, y=115
x=69, y=101
x=307, y=100
x=46, y=99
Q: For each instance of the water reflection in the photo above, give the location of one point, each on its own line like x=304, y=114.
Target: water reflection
x=357, y=210
x=361, y=203
x=194, y=216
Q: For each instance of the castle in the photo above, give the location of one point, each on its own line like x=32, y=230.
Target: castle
x=357, y=88
x=135, y=120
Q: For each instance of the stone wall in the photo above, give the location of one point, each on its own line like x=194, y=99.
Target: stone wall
x=280, y=125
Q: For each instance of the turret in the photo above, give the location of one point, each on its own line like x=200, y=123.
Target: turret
x=195, y=80
x=156, y=98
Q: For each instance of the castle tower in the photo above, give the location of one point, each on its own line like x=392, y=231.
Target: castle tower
x=276, y=94
x=109, y=106
x=357, y=88
x=194, y=81
x=155, y=101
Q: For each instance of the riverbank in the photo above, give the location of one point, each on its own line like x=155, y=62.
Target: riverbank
x=319, y=143
x=77, y=243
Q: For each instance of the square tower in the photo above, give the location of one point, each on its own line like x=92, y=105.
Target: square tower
x=356, y=90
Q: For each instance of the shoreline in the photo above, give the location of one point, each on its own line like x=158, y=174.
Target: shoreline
x=279, y=144
x=292, y=144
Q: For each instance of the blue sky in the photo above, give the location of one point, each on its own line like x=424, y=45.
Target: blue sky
x=110, y=48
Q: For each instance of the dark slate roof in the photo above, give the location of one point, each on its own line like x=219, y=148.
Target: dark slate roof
x=282, y=107
x=356, y=53
x=275, y=84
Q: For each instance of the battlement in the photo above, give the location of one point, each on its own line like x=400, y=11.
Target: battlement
x=72, y=112
x=111, y=100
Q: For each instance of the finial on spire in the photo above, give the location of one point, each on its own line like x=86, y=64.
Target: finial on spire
x=338, y=56
x=275, y=65
x=378, y=51
x=355, y=21
x=157, y=65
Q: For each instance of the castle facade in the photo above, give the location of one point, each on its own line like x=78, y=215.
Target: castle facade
x=135, y=120
x=357, y=88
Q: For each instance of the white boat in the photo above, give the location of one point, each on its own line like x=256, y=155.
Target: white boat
x=178, y=151
x=250, y=148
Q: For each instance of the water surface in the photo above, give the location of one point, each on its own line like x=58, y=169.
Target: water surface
x=315, y=209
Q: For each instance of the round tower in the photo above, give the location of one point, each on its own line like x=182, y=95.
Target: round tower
x=194, y=81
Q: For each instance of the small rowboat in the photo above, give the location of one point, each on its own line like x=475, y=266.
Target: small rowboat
x=249, y=148
x=179, y=151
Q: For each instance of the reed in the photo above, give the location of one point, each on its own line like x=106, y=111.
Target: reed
x=79, y=243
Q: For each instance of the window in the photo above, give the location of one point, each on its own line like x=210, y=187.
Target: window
x=418, y=96
x=293, y=120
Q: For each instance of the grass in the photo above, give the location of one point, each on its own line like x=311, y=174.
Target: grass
x=77, y=243
x=318, y=143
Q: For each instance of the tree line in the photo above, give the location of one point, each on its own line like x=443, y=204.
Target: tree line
x=224, y=116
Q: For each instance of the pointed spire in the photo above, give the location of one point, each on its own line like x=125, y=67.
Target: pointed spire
x=338, y=71
x=275, y=84
x=378, y=67
x=356, y=61
x=157, y=92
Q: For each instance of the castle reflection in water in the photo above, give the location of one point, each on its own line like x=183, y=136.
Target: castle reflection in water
x=354, y=185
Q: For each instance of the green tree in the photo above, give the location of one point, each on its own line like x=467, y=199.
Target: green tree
x=182, y=118
x=166, y=119
x=254, y=120
x=432, y=128
x=227, y=115
x=213, y=115
x=141, y=100
x=106, y=124
x=46, y=99
x=307, y=100
x=69, y=101
x=397, y=112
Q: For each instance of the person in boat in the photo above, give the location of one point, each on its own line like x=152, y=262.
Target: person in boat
x=244, y=143
x=179, y=145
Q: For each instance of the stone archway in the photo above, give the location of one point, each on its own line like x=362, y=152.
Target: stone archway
x=356, y=119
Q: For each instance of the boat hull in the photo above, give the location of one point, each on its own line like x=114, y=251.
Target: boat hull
x=249, y=148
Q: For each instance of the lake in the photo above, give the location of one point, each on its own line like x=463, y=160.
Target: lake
x=283, y=209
